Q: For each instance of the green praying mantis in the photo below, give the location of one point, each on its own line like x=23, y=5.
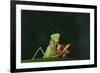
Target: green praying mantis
x=54, y=49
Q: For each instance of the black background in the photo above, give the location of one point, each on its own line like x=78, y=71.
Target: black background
x=37, y=26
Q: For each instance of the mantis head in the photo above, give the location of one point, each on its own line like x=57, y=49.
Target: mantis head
x=55, y=37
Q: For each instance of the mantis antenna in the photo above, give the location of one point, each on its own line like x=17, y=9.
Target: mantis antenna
x=59, y=26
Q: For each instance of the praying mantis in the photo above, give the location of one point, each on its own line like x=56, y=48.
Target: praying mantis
x=54, y=49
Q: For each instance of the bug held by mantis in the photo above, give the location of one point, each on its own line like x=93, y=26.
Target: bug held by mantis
x=54, y=49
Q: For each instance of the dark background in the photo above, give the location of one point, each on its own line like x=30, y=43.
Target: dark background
x=37, y=26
